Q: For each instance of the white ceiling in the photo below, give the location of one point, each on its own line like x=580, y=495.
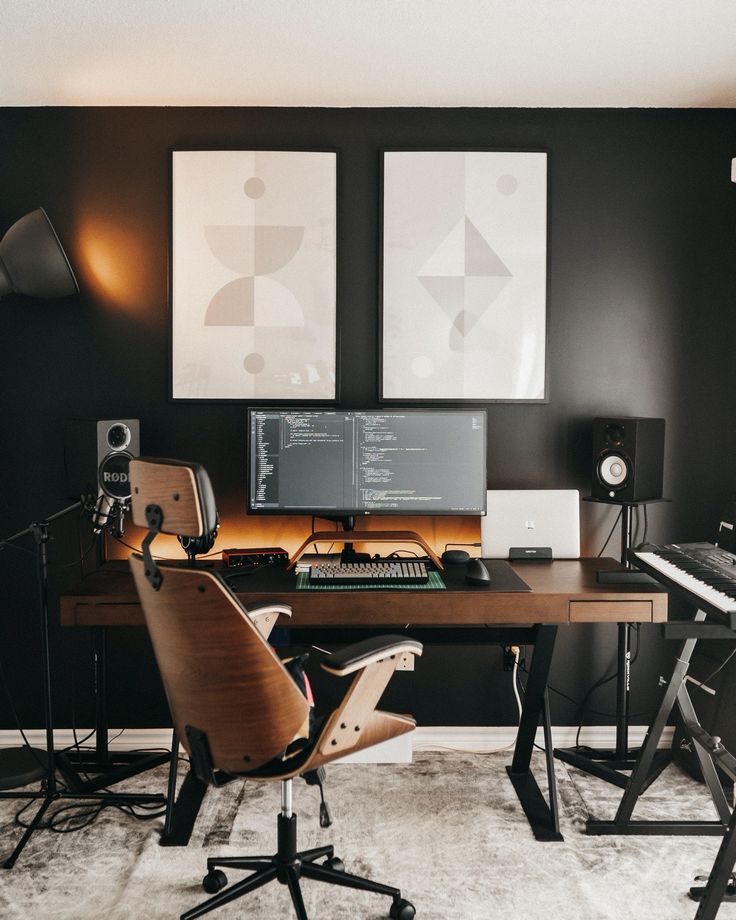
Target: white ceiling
x=663, y=53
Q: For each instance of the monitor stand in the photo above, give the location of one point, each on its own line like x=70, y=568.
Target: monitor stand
x=349, y=535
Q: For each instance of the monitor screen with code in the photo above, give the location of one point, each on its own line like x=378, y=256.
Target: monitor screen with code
x=334, y=462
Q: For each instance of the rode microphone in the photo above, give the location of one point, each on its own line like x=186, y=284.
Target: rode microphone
x=113, y=496
x=109, y=514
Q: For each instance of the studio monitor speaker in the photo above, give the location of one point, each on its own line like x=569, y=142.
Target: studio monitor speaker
x=97, y=454
x=628, y=459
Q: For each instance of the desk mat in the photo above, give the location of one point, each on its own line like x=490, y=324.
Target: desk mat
x=434, y=583
x=504, y=578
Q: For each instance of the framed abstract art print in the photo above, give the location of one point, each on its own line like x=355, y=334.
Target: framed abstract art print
x=253, y=292
x=464, y=276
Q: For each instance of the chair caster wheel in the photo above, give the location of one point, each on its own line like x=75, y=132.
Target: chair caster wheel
x=337, y=865
x=402, y=910
x=214, y=881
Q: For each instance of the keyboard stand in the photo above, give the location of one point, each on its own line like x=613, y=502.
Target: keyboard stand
x=675, y=694
x=366, y=536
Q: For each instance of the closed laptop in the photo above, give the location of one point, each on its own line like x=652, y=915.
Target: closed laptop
x=531, y=518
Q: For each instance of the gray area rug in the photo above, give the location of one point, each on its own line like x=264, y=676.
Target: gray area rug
x=446, y=829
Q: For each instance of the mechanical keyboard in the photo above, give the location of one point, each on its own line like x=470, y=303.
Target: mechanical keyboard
x=369, y=573
x=702, y=569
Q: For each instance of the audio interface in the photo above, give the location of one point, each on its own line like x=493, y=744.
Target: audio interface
x=254, y=557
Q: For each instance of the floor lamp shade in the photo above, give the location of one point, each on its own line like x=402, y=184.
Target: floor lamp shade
x=32, y=260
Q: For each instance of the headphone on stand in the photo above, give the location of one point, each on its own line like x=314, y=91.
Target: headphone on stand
x=198, y=546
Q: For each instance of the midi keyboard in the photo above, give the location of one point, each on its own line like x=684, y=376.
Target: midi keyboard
x=705, y=572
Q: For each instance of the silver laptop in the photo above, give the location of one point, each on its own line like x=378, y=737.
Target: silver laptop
x=530, y=518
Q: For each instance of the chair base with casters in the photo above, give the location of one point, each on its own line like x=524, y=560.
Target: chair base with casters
x=287, y=866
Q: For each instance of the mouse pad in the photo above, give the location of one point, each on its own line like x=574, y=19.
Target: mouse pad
x=503, y=577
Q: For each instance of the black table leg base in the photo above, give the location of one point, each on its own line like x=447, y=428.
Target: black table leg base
x=182, y=814
x=656, y=828
x=535, y=807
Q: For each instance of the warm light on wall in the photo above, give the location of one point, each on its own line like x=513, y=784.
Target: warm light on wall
x=111, y=261
x=239, y=531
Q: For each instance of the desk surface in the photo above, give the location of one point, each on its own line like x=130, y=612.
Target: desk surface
x=563, y=591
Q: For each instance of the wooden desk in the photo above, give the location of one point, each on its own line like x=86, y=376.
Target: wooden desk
x=562, y=592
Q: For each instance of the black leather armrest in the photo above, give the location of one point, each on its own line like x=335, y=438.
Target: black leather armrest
x=361, y=654
x=256, y=610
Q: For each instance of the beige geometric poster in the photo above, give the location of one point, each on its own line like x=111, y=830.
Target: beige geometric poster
x=464, y=287
x=253, y=274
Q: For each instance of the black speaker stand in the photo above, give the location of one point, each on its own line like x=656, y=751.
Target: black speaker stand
x=608, y=764
x=50, y=791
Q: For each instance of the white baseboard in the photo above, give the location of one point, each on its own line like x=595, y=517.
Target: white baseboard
x=482, y=739
x=470, y=738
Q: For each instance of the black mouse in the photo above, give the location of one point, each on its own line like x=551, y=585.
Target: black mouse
x=455, y=556
x=476, y=573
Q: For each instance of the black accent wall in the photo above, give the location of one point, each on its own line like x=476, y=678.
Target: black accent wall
x=642, y=239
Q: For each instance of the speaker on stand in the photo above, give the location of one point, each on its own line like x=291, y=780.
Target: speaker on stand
x=628, y=468
x=628, y=460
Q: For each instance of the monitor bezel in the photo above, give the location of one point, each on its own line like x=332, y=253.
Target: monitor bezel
x=339, y=514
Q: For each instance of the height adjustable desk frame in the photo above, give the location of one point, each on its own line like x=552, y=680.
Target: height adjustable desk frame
x=563, y=592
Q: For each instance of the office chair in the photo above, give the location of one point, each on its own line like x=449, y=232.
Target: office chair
x=236, y=708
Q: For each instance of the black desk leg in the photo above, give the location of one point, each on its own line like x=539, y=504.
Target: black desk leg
x=171, y=785
x=542, y=817
x=99, y=639
x=181, y=813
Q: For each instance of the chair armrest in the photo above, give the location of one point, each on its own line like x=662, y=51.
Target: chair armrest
x=264, y=616
x=360, y=654
x=375, y=662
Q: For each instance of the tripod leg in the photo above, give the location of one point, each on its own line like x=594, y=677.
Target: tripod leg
x=10, y=861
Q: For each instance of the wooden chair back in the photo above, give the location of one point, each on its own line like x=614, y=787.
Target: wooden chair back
x=219, y=674
x=182, y=491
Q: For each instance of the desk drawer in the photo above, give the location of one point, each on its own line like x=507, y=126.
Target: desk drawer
x=610, y=611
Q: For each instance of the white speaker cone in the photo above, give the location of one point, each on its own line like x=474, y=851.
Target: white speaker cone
x=613, y=470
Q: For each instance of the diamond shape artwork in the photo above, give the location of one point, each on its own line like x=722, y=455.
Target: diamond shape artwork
x=464, y=287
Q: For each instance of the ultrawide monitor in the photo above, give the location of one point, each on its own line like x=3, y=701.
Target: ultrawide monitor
x=336, y=463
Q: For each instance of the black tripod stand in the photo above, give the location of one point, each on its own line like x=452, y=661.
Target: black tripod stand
x=50, y=791
x=607, y=764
